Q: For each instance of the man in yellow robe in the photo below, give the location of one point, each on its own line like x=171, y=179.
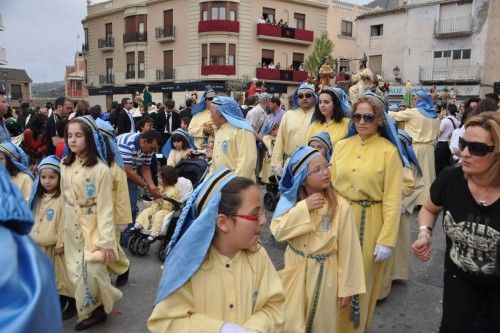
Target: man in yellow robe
x=234, y=143
x=201, y=127
x=422, y=124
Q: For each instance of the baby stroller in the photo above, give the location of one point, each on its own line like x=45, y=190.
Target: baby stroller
x=272, y=195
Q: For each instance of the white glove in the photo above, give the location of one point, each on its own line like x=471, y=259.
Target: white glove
x=382, y=253
x=233, y=328
x=277, y=171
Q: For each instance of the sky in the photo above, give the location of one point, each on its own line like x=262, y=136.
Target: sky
x=41, y=35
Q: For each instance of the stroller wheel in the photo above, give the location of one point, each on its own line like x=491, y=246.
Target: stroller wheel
x=142, y=246
x=132, y=240
x=269, y=201
x=162, y=250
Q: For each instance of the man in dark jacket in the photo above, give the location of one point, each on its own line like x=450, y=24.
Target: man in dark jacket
x=124, y=120
x=186, y=113
x=168, y=120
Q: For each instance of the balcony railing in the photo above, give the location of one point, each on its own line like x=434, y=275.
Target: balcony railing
x=106, y=43
x=85, y=47
x=165, y=33
x=107, y=79
x=460, y=26
x=3, y=56
x=141, y=74
x=219, y=26
x=130, y=75
x=218, y=69
x=165, y=74
x=135, y=37
x=281, y=75
x=289, y=35
x=469, y=74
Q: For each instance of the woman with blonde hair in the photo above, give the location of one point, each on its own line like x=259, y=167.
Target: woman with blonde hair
x=469, y=195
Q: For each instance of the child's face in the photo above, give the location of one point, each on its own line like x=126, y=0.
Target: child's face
x=178, y=145
x=210, y=150
x=147, y=127
x=49, y=179
x=245, y=232
x=318, y=146
x=318, y=175
x=184, y=125
x=76, y=138
x=274, y=131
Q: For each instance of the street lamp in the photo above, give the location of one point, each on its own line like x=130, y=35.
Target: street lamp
x=396, y=71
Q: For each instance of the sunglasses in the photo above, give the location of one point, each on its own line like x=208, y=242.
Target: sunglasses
x=209, y=98
x=475, y=148
x=300, y=96
x=367, y=117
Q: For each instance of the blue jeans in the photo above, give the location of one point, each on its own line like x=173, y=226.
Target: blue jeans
x=132, y=194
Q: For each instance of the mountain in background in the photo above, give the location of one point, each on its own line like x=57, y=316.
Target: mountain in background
x=48, y=89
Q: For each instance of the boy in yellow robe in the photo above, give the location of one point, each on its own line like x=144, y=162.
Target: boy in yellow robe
x=323, y=262
x=16, y=163
x=217, y=277
x=201, y=127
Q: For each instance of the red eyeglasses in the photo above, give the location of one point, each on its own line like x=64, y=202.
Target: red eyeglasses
x=252, y=217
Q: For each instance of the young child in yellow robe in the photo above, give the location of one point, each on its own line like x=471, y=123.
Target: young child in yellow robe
x=151, y=218
x=47, y=203
x=89, y=231
x=16, y=163
x=323, y=261
x=178, y=147
x=217, y=277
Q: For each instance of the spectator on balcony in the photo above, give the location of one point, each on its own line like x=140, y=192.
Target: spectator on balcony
x=271, y=65
x=292, y=132
x=277, y=111
x=124, y=121
x=262, y=20
x=280, y=23
x=301, y=67
x=201, y=127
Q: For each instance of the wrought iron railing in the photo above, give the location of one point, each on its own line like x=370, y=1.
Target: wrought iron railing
x=134, y=37
x=459, y=25
x=165, y=74
x=450, y=74
x=165, y=32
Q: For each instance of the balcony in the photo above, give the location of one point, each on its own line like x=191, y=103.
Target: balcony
x=455, y=27
x=219, y=26
x=165, y=34
x=3, y=56
x=107, y=79
x=281, y=75
x=129, y=75
x=85, y=47
x=135, y=37
x=106, y=44
x=470, y=74
x=165, y=74
x=218, y=70
x=288, y=35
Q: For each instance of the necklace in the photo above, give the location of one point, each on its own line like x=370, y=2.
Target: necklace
x=483, y=201
x=325, y=222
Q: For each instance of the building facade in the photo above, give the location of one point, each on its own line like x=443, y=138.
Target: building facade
x=433, y=42
x=74, y=79
x=3, y=55
x=18, y=85
x=173, y=46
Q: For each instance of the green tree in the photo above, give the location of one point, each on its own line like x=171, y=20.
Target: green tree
x=323, y=47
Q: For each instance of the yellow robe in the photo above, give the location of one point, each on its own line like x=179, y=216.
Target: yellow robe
x=398, y=265
x=245, y=290
x=176, y=156
x=89, y=225
x=47, y=232
x=152, y=217
x=292, y=134
x=265, y=171
x=337, y=131
x=24, y=183
x=235, y=149
x=195, y=128
x=369, y=170
x=424, y=132
x=122, y=215
x=343, y=270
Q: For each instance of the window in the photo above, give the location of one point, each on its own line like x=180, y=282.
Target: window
x=438, y=54
x=300, y=20
x=109, y=67
x=457, y=54
x=141, y=27
x=231, y=59
x=466, y=54
x=141, y=65
x=204, y=15
x=109, y=31
x=86, y=36
x=232, y=15
x=15, y=92
x=346, y=28
x=269, y=14
x=204, y=54
x=267, y=57
x=168, y=64
x=217, y=54
x=298, y=61
x=130, y=65
x=377, y=30
x=375, y=64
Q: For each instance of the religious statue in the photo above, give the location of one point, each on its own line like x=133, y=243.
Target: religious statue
x=363, y=80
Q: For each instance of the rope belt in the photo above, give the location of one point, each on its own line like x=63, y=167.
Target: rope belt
x=355, y=311
x=321, y=258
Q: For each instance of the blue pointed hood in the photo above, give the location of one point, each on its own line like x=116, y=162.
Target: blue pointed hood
x=201, y=106
x=108, y=133
x=231, y=111
x=324, y=139
x=168, y=146
x=98, y=139
x=17, y=157
x=425, y=105
x=50, y=162
x=306, y=87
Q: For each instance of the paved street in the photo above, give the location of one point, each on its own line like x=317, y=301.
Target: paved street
x=412, y=307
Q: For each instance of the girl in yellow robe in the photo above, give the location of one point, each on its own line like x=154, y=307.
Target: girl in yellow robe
x=330, y=114
x=367, y=171
x=16, y=163
x=89, y=232
x=47, y=203
x=323, y=263
x=217, y=277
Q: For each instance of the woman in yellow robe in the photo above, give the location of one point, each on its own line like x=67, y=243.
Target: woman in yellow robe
x=367, y=171
x=89, y=232
x=201, y=127
x=323, y=262
x=330, y=115
x=47, y=203
x=226, y=282
x=16, y=163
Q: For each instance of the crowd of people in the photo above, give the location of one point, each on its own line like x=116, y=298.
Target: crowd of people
x=352, y=170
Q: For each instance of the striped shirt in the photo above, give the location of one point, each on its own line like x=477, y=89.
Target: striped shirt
x=128, y=145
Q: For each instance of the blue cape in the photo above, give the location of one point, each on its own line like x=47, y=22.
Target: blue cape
x=167, y=147
x=425, y=105
x=98, y=139
x=108, y=133
x=200, y=106
x=324, y=139
x=407, y=143
x=303, y=86
x=231, y=111
x=193, y=233
x=345, y=105
x=50, y=162
x=17, y=157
